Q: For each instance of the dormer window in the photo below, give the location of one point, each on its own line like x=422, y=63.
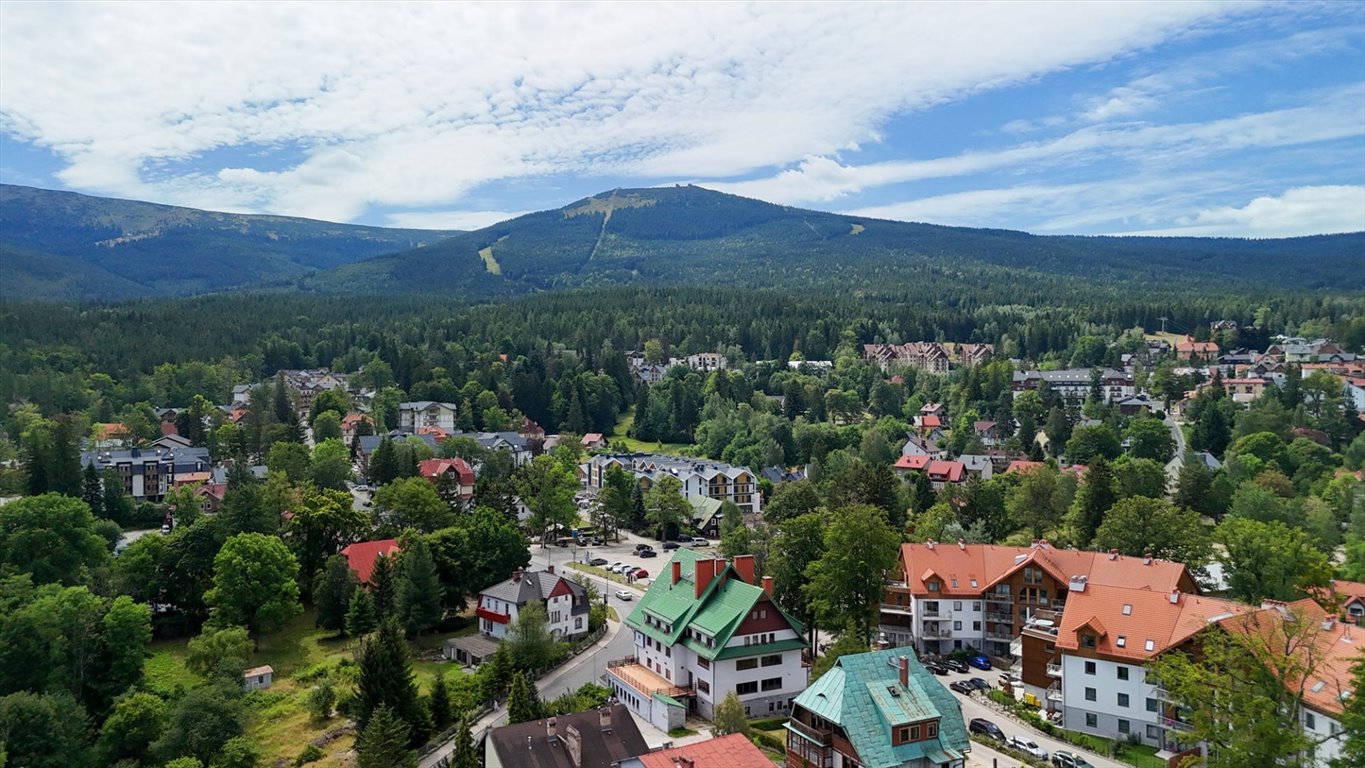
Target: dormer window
x=914, y=733
x=933, y=586
x=1087, y=641
x=931, y=731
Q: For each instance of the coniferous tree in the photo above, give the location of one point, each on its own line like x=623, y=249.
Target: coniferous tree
x=92, y=492
x=38, y=458
x=360, y=615
x=1093, y=499
x=465, y=754
x=336, y=585
x=386, y=680
x=419, y=594
x=116, y=505
x=442, y=712
x=383, y=742
x=384, y=586
x=383, y=463
x=523, y=703
x=65, y=475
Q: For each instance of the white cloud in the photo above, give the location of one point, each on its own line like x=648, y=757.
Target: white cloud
x=1298, y=211
x=469, y=220
x=415, y=105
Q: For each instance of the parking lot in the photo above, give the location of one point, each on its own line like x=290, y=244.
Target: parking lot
x=613, y=552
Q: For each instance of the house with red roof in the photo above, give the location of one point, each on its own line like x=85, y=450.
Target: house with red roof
x=945, y=473
x=732, y=751
x=593, y=441
x=350, y=425
x=1190, y=350
x=362, y=555
x=454, y=472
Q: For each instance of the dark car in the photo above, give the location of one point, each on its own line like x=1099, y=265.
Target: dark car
x=641, y=547
x=986, y=728
x=961, y=686
x=936, y=667
x=671, y=545
x=597, y=541
x=598, y=561
x=980, y=662
x=955, y=665
x=647, y=553
x=1063, y=759
x=978, y=684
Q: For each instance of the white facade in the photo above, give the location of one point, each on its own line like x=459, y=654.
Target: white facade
x=1113, y=700
x=1322, y=728
x=496, y=614
x=698, y=477
x=413, y=416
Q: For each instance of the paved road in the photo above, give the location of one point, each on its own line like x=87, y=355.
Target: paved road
x=1173, y=466
x=973, y=708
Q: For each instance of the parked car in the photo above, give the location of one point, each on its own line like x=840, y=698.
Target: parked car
x=935, y=667
x=979, y=684
x=698, y=541
x=640, y=573
x=642, y=547
x=1063, y=759
x=1007, y=678
x=670, y=545
x=624, y=594
x=986, y=728
x=616, y=567
x=598, y=561
x=597, y=541
x=955, y=665
x=362, y=488
x=1027, y=746
x=647, y=553
x=980, y=662
x=961, y=687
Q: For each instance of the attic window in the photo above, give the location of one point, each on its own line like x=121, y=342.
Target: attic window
x=954, y=583
x=973, y=583
x=1319, y=686
x=1127, y=609
x=1122, y=641
x=933, y=586
x=1150, y=645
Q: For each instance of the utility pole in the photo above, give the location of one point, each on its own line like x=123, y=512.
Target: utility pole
x=1163, y=323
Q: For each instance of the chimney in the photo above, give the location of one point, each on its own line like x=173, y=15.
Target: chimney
x=905, y=671
x=677, y=571
x=962, y=544
x=704, y=571
x=1174, y=597
x=744, y=566
x=552, y=730
x=929, y=544
x=1043, y=543
x=516, y=575
x=1113, y=554
x=682, y=761
x=549, y=569
x=604, y=719
x=1147, y=559
x=768, y=585
x=573, y=745
x=1078, y=583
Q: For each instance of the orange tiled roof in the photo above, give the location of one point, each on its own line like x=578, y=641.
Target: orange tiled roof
x=1333, y=645
x=362, y=554
x=733, y=751
x=912, y=462
x=989, y=564
x=1145, y=621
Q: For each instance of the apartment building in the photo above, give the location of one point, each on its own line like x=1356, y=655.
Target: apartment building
x=946, y=597
x=148, y=473
x=414, y=416
x=704, y=628
x=699, y=477
x=1074, y=384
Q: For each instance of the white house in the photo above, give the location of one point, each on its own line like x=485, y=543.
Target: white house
x=426, y=413
x=702, y=630
x=699, y=477
x=566, y=603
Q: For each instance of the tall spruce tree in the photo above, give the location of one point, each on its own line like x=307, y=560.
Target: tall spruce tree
x=384, y=586
x=523, y=704
x=386, y=680
x=383, y=463
x=442, y=711
x=465, y=754
x=383, y=742
x=419, y=595
x=335, y=587
x=92, y=491
x=65, y=475
x=1093, y=499
x=360, y=615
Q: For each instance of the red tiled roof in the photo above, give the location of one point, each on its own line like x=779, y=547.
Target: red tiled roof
x=591, y=437
x=733, y=751
x=1138, y=616
x=988, y=564
x=436, y=432
x=947, y=471
x=983, y=426
x=362, y=554
x=915, y=463
x=434, y=468
x=1332, y=646
x=930, y=421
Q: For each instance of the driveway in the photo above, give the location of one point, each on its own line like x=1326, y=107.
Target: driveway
x=1173, y=466
x=973, y=708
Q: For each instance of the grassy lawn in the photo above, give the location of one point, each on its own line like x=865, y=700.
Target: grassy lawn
x=623, y=429
x=1141, y=756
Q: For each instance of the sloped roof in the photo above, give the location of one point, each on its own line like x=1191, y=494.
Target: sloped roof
x=527, y=745
x=989, y=564
x=732, y=751
x=864, y=695
x=1139, y=616
x=362, y=554
x=433, y=468
x=1332, y=646
x=535, y=585
x=912, y=462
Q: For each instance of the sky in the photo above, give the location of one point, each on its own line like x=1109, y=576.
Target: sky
x=1171, y=118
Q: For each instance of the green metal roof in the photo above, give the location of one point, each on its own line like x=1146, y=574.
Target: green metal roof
x=858, y=695
x=717, y=613
x=669, y=700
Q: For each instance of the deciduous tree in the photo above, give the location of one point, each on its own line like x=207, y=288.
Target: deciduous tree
x=255, y=583
x=846, y=584
x=1140, y=526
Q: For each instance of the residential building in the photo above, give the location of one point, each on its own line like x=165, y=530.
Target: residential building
x=978, y=466
x=732, y=751
x=148, y=473
x=1189, y=350
x=704, y=628
x=923, y=446
x=1104, y=639
x=426, y=413
x=600, y=738
x=211, y=496
x=456, y=473
x=988, y=432
x=565, y=603
x=707, y=361
x=699, y=477
x=350, y=425
x=1073, y=384
x=706, y=514
x=361, y=556
x=945, y=597
x=514, y=443
x=593, y=441
x=1352, y=596
x=877, y=710
x=931, y=356
x=1244, y=390
x=367, y=443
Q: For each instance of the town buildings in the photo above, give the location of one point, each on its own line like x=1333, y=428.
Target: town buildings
x=1073, y=384
x=600, y=738
x=413, y=416
x=148, y=473
x=361, y=556
x=877, y=710
x=455, y=474
x=704, y=628
x=732, y=751
x=699, y=477
x=931, y=356
x=565, y=602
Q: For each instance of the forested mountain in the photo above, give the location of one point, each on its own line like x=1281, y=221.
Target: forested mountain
x=63, y=245
x=691, y=235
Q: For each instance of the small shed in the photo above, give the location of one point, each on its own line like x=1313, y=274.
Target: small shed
x=470, y=650
x=258, y=678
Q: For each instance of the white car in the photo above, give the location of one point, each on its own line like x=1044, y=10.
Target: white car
x=1027, y=746
x=616, y=567
x=624, y=594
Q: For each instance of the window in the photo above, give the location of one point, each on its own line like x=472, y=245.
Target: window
x=1091, y=721
x=1123, y=700
x=578, y=623
x=1087, y=641
x=955, y=587
x=1127, y=609
x=1151, y=705
x=1089, y=694
x=957, y=626
x=703, y=686
x=903, y=734
x=772, y=661
x=668, y=652
x=976, y=625
x=914, y=733
x=772, y=684
x=933, y=586
x=1122, y=641
x=1124, y=726
x=932, y=730
x=1123, y=672
x=1150, y=645
x=973, y=583
x=703, y=662
x=1309, y=721
x=957, y=604
x=1090, y=667
x=744, y=689
x=744, y=664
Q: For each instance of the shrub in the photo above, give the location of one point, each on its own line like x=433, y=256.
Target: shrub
x=310, y=754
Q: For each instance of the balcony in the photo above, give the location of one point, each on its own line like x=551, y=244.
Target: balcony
x=1176, y=724
x=936, y=614
x=1003, y=635
x=1054, y=669
x=1161, y=694
x=820, y=736
x=936, y=634
x=1054, y=692
x=895, y=608
x=996, y=597
x=1000, y=617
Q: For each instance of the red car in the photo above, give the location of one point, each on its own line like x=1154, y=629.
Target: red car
x=639, y=573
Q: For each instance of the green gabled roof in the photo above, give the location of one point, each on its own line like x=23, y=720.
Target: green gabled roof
x=857, y=694
x=718, y=612
x=736, y=651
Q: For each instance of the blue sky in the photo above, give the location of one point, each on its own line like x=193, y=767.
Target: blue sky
x=1116, y=117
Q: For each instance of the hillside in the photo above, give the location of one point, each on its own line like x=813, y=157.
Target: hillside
x=63, y=245
x=690, y=235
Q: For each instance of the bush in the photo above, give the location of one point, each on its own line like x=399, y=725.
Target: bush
x=768, y=741
x=768, y=724
x=310, y=754
x=321, y=699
